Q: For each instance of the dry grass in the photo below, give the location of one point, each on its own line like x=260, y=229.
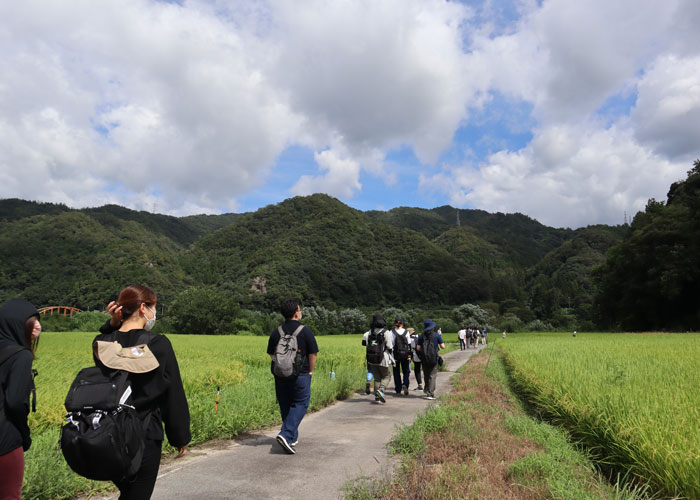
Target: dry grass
x=470, y=462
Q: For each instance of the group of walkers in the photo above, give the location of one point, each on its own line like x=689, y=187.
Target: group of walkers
x=390, y=352
x=153, y=397
x=470, y=337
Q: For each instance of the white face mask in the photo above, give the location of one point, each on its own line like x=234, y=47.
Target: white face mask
x=150, y=323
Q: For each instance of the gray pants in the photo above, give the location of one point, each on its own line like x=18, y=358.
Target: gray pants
x=382, y=376
x=430, y=374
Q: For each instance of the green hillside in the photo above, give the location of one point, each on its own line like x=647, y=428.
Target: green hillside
x=314, y=247
x=318, y=248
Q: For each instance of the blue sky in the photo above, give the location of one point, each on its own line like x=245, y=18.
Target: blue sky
x=570, y=112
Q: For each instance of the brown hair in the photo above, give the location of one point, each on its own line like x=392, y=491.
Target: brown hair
x=131, y=297
x=28, y=329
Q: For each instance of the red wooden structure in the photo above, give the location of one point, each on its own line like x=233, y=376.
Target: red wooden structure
x=65, y=310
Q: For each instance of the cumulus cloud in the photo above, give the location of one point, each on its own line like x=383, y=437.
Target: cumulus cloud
x=189, y=106
x=196, y=101
x=341, y=178
x=567, y=176
x=667, y=112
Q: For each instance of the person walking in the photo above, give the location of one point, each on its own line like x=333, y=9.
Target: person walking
x=294, y=393
x=380, y=360
x=402, y=356
x=428, y=345
x=462, y=335
x=158, y=394
x=416, y=360
x=19, y=335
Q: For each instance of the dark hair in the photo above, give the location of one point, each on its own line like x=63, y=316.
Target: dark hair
x=131, y=297
x=28, y=329
x=377, y=321
x=288, y=307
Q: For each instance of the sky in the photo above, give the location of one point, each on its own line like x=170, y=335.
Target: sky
x=573, y=113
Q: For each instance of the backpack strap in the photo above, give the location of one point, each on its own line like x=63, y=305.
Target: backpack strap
x=293, y=334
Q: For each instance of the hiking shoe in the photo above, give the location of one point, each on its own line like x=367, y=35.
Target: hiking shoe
x=419, y=388
x=285, y=445
x=367, y=388
x=380, y=396
x=405, y=390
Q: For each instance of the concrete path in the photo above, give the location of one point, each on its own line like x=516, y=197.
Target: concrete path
x=343, y=441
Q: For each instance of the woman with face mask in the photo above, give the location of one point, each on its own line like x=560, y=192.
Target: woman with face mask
x=19, y=335
x=158, y=394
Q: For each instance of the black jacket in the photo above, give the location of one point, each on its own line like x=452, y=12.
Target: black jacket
x=15, y=376
x=158, y=392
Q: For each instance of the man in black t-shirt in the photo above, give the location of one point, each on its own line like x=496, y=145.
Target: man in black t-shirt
x=293, y=394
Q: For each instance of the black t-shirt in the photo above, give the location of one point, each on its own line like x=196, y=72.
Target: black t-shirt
x=306, y=341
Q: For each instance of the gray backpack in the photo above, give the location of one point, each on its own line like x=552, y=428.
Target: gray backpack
x=288, y=361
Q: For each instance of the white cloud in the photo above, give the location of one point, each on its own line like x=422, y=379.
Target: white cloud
x=179, y=105
x=667, y=113
x=189, y=106
x=567, y=176
x=341, y=178
x=197, y=101
x=374, y=74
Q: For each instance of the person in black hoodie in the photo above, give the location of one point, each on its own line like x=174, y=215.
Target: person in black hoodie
x=19, y=333
x=158, y=394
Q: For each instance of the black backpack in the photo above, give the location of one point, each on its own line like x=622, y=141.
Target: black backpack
x=103, y=438
x=429, y=350
x=402, y=348
x=375, y=346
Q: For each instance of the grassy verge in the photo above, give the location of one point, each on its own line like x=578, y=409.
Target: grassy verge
x=479, y=443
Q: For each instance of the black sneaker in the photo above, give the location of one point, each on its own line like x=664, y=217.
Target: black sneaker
x=367, y=388
x=285, y=445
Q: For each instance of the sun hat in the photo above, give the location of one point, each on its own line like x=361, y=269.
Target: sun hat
x=136, y=359
x=428, y=325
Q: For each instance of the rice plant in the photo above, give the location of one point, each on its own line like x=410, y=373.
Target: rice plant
x=631, y=399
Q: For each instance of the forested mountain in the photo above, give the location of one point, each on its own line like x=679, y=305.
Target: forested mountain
x=314, y=247
x=320, y=249
x=651, y=280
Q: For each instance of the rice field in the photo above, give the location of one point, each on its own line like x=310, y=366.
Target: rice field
x=631, y=399
x=238, y=366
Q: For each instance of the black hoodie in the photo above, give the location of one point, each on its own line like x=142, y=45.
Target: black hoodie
x=15, y=376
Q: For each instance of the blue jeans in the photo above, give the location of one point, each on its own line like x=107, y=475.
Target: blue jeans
x=293, y=396
x=402, y=368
